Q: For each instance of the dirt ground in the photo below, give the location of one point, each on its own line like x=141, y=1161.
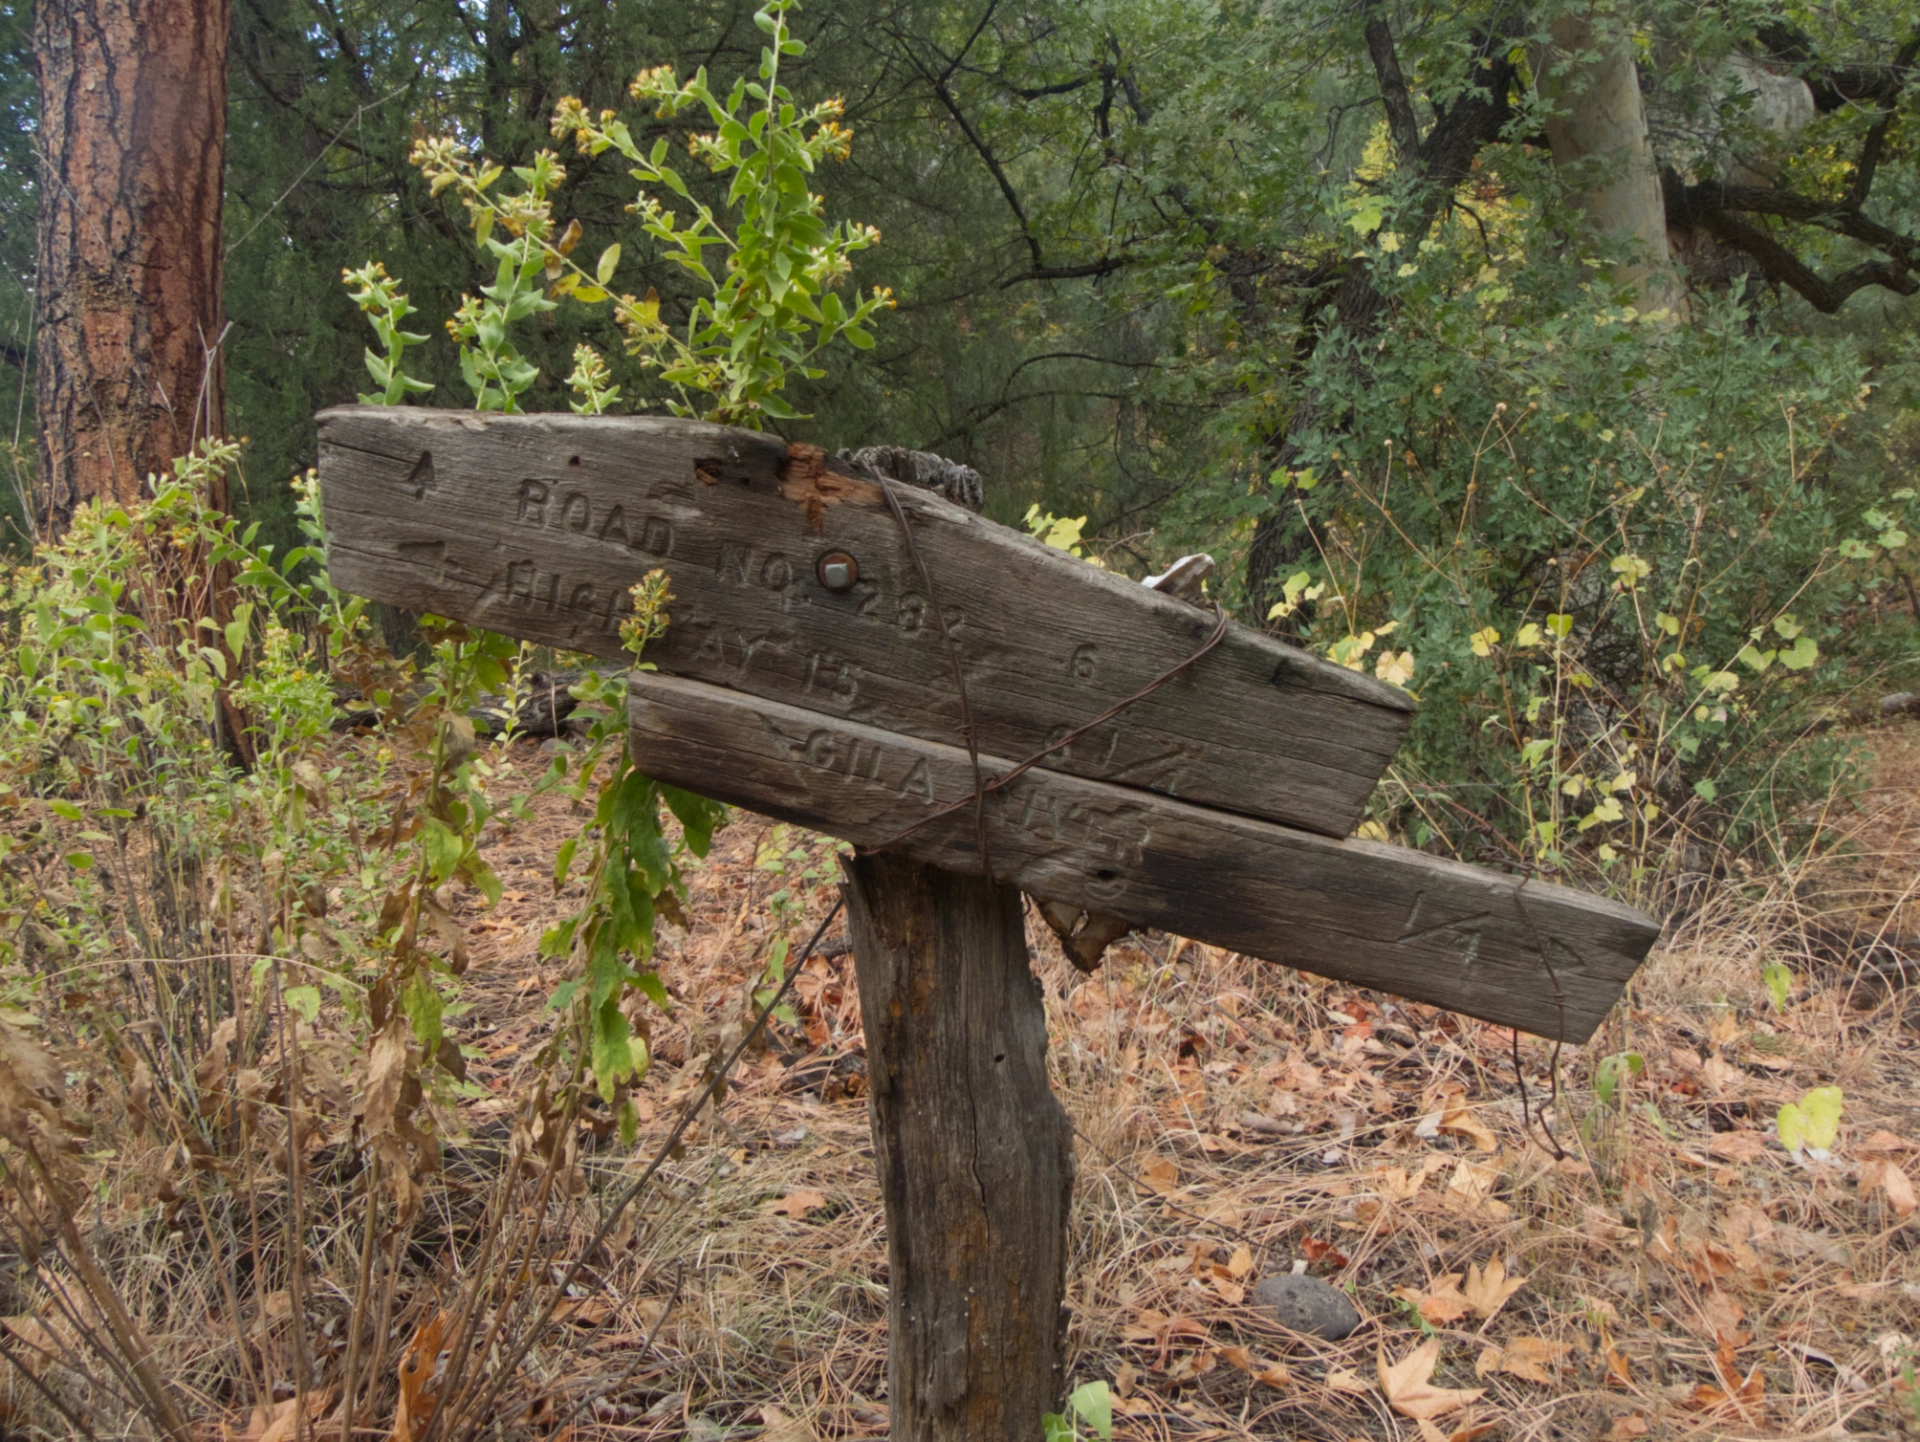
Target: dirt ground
x=1532, y=1261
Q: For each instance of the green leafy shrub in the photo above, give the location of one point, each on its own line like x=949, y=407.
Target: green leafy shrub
x=1607, y=553
x=769, y=267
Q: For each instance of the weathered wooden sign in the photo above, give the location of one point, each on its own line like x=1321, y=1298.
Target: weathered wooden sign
x=806, y=675
x=1530, y=954
x=535, y=526
x=813, y=684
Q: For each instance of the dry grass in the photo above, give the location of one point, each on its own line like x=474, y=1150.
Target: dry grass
x=1684, y=1277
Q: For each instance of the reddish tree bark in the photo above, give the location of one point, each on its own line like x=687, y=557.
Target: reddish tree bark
x=133, y=118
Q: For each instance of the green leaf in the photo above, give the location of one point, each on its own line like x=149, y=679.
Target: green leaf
x=699, y=818
x=443, y=849
x=609, y=259
x=1705, y=789
x=1095, y=1405
x=422, y=1003
x=305, y=1000
x=1779, y=982
x=1801, y=655
x=1822, y=1108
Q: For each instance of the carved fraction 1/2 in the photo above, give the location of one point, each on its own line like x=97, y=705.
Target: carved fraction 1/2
x=1467, y=928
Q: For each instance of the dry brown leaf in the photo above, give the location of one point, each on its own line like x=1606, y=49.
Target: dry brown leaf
x=779, y=1427
x=1724, y=1077
x=1723, y=1317
x=1890, y=1179
x=1488, y=1289
x=1160, y=1175
x=1231, y=1292
x=1270, y=1373
x=415, y=1407
x=583, y=1311
x=31, y=1082
x=1743, y=1146
x=1626, y=1428
x=1473, y=1182
x=1524, y=1357
x=1619, y=1370
x=1194, y=1364
x=797, y=1203
x=278, y=1423
x=1431, y=1433
x=1345, y=1379
x=1408, y=1384
x=1241, y=1262
x=1458, y=1119
x=1886, y=1144
x=386, y=1076
x=1441, y=1303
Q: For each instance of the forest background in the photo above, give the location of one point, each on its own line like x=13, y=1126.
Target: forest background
x=1556, y=363
x=1300, y=286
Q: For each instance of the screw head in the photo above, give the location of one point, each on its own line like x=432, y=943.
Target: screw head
x=837, y=571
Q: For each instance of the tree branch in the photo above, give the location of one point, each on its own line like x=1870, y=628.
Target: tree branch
x=1401, y=122
x=1721, y=209
x=1876, y=141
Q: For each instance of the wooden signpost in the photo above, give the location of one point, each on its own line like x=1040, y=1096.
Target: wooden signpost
x=806, y=675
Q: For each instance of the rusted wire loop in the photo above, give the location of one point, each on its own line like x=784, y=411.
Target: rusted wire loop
x=1007, y=777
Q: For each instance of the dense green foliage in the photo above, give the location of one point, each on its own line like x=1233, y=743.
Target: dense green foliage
x=1126, y=241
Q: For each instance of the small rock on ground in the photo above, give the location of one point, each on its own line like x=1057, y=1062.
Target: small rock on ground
x=1307, y=1304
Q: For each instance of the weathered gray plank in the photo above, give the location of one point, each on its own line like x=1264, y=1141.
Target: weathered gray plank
x=1534, y=955
x=537, y=525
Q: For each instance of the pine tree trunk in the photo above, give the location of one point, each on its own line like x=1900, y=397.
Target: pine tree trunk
x=975, y=1154
x=133, y=104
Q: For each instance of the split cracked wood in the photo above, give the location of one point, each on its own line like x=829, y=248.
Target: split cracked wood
x=536, y=526
x=1528, y=954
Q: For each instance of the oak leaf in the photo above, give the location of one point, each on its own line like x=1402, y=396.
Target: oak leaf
x=1408, y=1384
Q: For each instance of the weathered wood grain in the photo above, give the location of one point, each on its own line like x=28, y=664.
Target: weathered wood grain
x=1529, y=954
x=537, y=525
x=975, y=1155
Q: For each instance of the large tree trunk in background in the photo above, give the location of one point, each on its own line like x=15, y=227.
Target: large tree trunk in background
x=1598, y=132
x=133, y=107
x=975, y=1154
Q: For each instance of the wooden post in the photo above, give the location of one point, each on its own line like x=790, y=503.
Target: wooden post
x=975, y=1154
